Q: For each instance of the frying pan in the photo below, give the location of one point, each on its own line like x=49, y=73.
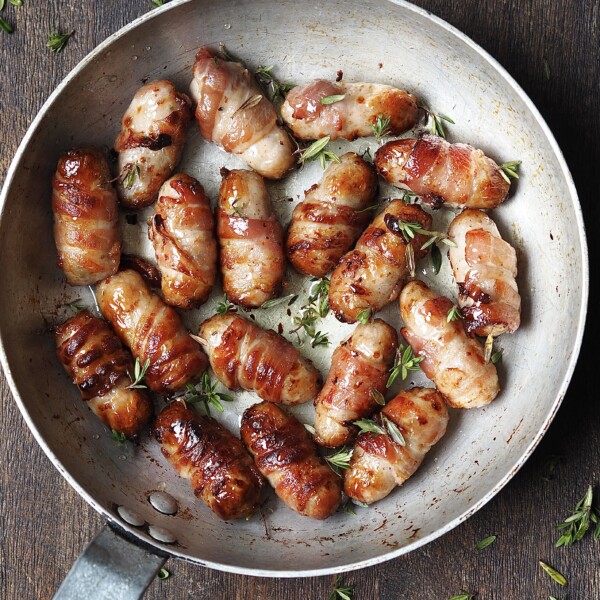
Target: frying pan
x=374, y=40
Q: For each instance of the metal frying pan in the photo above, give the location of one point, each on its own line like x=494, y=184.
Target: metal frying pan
x=372, y=40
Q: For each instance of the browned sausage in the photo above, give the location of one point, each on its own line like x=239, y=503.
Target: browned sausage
x=216, y=463
x=98, y=364
x=287, y=457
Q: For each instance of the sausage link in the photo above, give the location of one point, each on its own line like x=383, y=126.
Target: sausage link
x=243, y=355
x=98, y=364
x=287, y=457
x=219, y=468
x=86, y=229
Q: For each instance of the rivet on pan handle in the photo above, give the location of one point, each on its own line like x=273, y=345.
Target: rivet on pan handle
x=111, y=567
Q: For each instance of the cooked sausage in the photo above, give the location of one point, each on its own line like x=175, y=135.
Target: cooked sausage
x=152, y=330
x=243, y=355
x=351, y=117
x=452, y=360
x=379, y=463
x=456, y=175
x=372, y=274
x=359, y=371
x=151, y=141
x=182, y=232
x=98, y=364
x=219, y=468
x=233, y=112
x=287, y=457
x=484, y=267
x=250, y=238
x=332, y=217
x=86, y=228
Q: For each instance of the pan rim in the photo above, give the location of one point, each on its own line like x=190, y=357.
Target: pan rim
x=560, y=393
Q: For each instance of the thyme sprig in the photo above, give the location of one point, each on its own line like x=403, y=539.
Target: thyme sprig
x=319, y=295
x=275, y=91
x=510, y=170
x=130, y=173
x=76, y=306
x=224, y=306
x=381, y=127
x=139, y=372
x=316, y=308
x=408, y=230
x=290, y=299
x=316, y=151
x=436, y=127
x=206, y=392
x=118, y=437
x=405, y=361
x=57, y=41
x=387, y=427
x=453, y=314
x=340, y=460
x=341, y=592
x=365, y=316
x=577, y=524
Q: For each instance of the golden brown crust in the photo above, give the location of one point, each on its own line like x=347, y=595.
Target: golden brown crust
x=287, y=457
x=218, y=466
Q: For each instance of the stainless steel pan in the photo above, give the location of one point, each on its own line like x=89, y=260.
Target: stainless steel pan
x=373, y=40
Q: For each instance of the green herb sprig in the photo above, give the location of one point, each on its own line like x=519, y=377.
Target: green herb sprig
x=340, y=460
x=436, y=127
x=118, y=437
x=290, y=299
x=130, y=173
x=365, y=316
x=275, y=91
x=454, y=314
x=224, y=306
x=510, y=170
x=381, y=127
x=317, y=151
x=316, y=308
x=405, y=361
x=206, y=392
x=139, y=372
x=387, y=427
x=57, y=41
x=409, y=229
x=341, y=592
x=578, y=523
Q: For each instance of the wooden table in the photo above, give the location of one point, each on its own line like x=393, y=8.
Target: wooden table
x=553, y=51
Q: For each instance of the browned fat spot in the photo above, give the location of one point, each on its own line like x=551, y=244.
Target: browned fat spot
x=360, y=100
x=340, y=74
x=380, y=65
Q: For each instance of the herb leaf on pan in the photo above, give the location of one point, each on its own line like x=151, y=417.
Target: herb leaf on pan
x=206, y=392
x=405, y=361
x=381, y=127
x=316, y=151
x=453, y=314
x=224, y=306
x=340, y=459
x=276, y=91
x=139, y=372
x=290, y=299
x=332, y=99
x=436, y=127
x=510, y=170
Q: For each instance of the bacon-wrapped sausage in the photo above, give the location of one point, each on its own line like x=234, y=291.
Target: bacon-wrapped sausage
x=251, y=240
x=287, y=457
x=182, y=232
x=243, y=355
x=359, y=372
x=86, y=229
x=485, y=267
x=332, y=217
x=152, y=330
x=452, y=360
x=379, y=463
x=219, y=468
x=352, y=116
x=151, y=141
x=233, y=112
x=98, y=364
x=442, y=173
x=372, y=274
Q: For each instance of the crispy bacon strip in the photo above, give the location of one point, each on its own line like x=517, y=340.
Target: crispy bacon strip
x=442, y=173
x=351, y=117
x=372, y=275
x=379, y=463
x=243, y=355
x=151, y=141
x=233, y=112
x=98, y=364
x=332, y=217
x=152, y=330
x=250, y=238
x=484, y=267
x=86, y=228
x=359, y=371
x=182, y=232
x=216, y=463
x=453, y=361
x=287, y=457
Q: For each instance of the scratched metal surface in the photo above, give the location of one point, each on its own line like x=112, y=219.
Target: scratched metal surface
x=481, y=449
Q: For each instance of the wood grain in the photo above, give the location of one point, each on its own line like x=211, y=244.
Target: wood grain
x=44, y=524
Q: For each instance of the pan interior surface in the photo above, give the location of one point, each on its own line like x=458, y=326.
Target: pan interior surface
x=369, y=41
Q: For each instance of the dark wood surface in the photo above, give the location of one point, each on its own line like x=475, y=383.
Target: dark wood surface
x=553, y=51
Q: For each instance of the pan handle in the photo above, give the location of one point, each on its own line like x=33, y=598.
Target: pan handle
x=111, y=567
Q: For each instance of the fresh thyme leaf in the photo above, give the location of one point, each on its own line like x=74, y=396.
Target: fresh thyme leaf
x=453, y=314
x=76, y=306
x=130, y=173
x=341, y=593
x=405, y=361
x=290, y=299
x=364, y=316
x=57, y=41
x=436, y=126
x=316, y=151
x=381, y=127
x=436, y=258
x=206, y=392
x=118, y=436
x=496, y=357
x=510, y=170
x=156, y=4
x=349, y=507
x=369, y=426
x=6, y=26
x=484, y=543
x=341, y=459
x=367, y=209
x=377, y=396
x=393, y=430
x=249, y=103
x=310, y=429
x=332, y=99
x=224, y=306
x=16, y=2
x=408, y=230
x=163, y=573
x=488, y=348
x=463, y=596
x=320, y=339
x=319, y=294
x=317, y=308
x=276, y=91
x=139, y=372
x=407, y=196
x=578, y=523
x=558, y=577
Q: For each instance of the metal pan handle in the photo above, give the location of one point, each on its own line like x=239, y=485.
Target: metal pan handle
x=111, y=567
